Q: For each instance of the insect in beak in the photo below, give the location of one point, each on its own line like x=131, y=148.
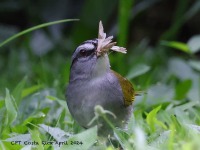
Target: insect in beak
x=105, y=44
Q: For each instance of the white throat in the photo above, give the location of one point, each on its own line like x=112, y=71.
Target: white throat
x=101, y=67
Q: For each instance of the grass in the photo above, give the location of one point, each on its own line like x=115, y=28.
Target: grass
x=34, y=113
x=167, y=117
x=42, y=117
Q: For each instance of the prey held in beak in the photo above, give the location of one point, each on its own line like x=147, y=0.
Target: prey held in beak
x=105, y=44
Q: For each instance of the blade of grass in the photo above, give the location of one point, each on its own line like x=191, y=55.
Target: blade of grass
x=35, y=136
x=30, y=90
x=152, y=120
x=124, y=17
x=177, y=45
x=17, y=92
x=11, y=110
x=171, y=137
x=123, y=26
x=35, y=28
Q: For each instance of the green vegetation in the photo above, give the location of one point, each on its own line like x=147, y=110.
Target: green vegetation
x=164, y=62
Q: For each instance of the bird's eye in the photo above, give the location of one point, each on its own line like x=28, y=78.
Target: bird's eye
x=83, y=52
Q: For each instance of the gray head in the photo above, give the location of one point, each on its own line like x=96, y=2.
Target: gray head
x=85, y=62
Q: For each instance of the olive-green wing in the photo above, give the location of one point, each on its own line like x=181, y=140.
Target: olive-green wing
x=127, y=89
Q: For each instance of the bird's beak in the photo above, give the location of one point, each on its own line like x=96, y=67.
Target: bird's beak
x=100, y=53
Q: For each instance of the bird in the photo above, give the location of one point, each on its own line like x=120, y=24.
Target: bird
x=94, y=85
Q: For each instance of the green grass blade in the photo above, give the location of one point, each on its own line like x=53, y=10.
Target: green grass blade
x=36, y=139
x=177, y=45
x=17, y=92
x=30, y=90
x=35, y=28
x=124, y=18
x=11, y=110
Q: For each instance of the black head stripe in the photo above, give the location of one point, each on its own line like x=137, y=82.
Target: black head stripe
x=89, y=45
x=94, y=42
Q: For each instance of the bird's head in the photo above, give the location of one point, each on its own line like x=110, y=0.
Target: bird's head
x=90, y=59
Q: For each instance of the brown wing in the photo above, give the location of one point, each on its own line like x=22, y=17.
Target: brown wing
x=127, y=89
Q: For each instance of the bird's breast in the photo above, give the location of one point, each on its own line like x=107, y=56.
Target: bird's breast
x=104, y=91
